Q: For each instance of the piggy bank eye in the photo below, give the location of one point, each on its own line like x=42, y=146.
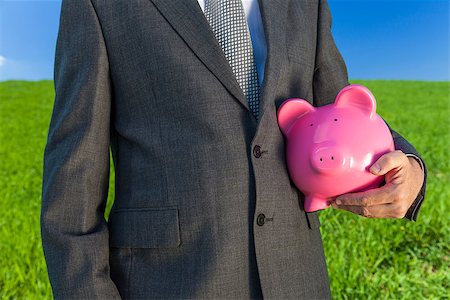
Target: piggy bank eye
x=311, y=124
x=335, y=120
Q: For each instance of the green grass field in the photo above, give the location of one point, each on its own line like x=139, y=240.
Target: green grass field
x=367, y=258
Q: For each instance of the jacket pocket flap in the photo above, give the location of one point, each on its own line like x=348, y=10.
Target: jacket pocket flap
x=144, y=228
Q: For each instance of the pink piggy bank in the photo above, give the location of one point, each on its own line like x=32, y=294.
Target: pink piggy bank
x=329, y=149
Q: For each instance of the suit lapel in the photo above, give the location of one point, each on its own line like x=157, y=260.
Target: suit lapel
x=274, y=16
x=188, y=20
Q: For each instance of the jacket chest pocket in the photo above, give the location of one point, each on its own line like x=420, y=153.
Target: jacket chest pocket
x=144, y=228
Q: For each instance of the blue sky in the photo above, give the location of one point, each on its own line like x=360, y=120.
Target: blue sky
x=402, y=39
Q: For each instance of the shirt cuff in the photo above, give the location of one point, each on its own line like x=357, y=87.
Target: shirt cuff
x=414, y=208
x=417, y=158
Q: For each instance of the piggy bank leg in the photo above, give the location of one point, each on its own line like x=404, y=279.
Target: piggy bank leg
x=315, y=203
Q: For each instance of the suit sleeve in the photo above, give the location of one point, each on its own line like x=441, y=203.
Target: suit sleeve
x=330, y=76
x=76, y=160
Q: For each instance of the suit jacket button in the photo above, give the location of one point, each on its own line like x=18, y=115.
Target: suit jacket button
x=257, y=151
x=260, y=220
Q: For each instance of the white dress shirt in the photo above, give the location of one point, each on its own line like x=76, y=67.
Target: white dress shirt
x=255, y=26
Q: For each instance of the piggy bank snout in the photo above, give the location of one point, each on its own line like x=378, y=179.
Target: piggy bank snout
x=327, y=159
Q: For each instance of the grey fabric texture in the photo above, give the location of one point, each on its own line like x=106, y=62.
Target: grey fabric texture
x=228, y=22
x=194, y=171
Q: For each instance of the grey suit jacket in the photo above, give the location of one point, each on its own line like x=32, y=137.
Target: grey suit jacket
x=204, y=206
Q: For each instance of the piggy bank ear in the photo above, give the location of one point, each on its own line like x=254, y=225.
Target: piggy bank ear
x=290, y=111
x=357, y=96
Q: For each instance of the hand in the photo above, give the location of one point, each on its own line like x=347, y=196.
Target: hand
x=404, y=178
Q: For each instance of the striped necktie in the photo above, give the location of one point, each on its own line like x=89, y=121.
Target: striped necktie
x=228, y=22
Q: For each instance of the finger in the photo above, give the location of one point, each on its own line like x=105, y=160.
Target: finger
x=377, y=196
x=392, y=211
x=389, y=161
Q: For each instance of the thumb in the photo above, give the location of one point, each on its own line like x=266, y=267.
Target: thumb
x=387, y=162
